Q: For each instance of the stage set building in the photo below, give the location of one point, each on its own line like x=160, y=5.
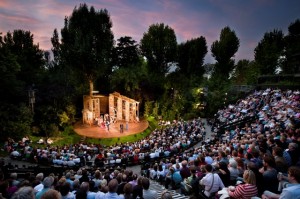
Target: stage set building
x=112, y=108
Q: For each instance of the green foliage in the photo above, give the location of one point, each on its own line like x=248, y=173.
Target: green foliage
x=21, y=65
x=15, y=121
x=67, y=117
x=191, y=57
x=159, y=46
x=28, y=56
x=223, y=50
x=87, y=41
x=268, y=52
x=129, y=69
x=292, y=48
x=148, y=108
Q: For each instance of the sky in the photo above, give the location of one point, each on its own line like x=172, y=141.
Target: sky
x=250, y=19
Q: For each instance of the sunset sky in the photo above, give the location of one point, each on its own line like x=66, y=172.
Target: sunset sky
x=250, y=19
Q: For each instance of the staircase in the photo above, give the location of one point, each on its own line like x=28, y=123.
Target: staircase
x=160, y=188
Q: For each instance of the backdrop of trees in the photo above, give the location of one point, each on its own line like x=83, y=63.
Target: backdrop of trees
x=86, y=56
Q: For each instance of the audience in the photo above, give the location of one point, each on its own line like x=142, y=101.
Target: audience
x=254, y=151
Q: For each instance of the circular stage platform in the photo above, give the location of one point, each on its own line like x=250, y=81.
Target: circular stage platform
x=114, y=129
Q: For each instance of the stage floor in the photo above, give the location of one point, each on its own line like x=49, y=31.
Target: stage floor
x=114, y=129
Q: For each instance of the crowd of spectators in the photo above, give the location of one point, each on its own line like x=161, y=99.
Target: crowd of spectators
x=170, y=139
x=257, y=158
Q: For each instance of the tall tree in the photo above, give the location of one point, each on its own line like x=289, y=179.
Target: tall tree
x=28, y=55
x=126, y=53
x=15, y=115
x=268, y=51
x=292, y=49
x=223, y=51
x=159, y=46
x=87, y=41
x=128, y=67
x=191, y=56
x=240, y=74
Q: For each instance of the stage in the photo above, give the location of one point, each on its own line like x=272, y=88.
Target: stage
x=95, y=131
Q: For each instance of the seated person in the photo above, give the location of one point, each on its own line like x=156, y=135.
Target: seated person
x=246, y=190
x=292, y=190
x=174, y=178
x=211, y=182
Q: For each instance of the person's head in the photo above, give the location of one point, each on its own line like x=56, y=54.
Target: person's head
x=293, y=146
x=252, y=166
x=81, y=194
x=39, y=177
x=134, y=177
x=65, y=188
x=97, y=174
x=14, y=176
x=113, y=186
x=184, y=163
x=294, y=174
x=51, y=194
x=172, y=169
x=24, y=193
x=269, y=161
x=166, y=195
x=145, y=183
x=127, y=188
x=68, y=175
x=277, y=151
x=193, y=169
x=85, y=186
x=140, y=180
x=84, y=172
x=233, y=164
x=48, y=181
x=208, y=168
x=249, y=177
x=76, y=184
x=223, y=166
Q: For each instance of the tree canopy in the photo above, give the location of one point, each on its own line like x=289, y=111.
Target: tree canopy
x=223, y=50
x=268, y=51
x=159, y=46
x=87, y=41
x=191, y=56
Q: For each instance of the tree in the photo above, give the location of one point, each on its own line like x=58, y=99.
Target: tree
x=191, y=57
x=18, y=57
x=28, y=55
x=292, y=49
x=240, y=73
x=87, y=41
x=268, y=51
x=159, y=46
x=223, y=50
x=126, y=53
x=129, y=69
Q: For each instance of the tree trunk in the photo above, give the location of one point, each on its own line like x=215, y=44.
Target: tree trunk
x=91, y=87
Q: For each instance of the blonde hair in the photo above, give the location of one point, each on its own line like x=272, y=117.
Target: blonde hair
x=249, y=177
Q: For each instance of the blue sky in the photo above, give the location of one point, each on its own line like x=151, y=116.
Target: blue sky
x=250, y=19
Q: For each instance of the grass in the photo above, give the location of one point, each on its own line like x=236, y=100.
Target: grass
x=70, y=137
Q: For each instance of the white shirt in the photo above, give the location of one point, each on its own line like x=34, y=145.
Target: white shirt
x=212, y=183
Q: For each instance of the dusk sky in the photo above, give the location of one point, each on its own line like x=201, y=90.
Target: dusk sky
x=250, y=19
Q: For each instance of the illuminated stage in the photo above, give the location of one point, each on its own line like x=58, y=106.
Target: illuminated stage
x=114, y=129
